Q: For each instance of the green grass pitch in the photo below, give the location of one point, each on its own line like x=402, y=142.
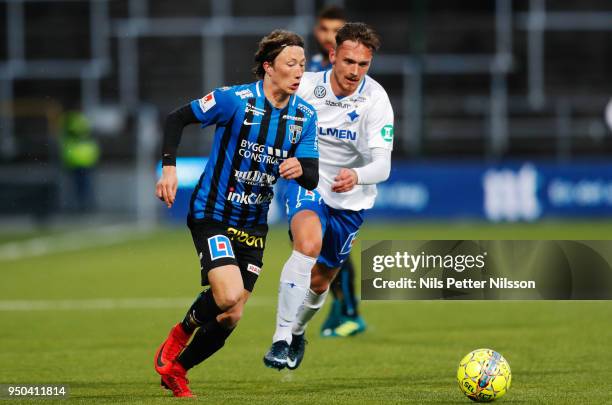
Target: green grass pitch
x=559, y=352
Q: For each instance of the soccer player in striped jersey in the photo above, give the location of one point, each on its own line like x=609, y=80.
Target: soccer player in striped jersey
x=263, y=131
x=355, y=131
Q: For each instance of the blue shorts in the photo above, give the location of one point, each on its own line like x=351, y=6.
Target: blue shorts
x=339, y=227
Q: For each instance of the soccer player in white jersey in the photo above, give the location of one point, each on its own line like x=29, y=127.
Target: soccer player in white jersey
x=355, y=131
x=344, y=318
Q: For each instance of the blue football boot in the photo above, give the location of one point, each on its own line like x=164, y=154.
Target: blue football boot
x=277, y=355
x=296, y=351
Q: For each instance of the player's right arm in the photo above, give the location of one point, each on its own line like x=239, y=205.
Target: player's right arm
x=216, y=107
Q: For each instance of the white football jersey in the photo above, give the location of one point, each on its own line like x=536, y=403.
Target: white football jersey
x=348, y=127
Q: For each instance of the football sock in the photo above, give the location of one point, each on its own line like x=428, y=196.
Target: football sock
x=336, y=285
x=294, y=283
x=207, y=341
x=347, y=283
x=312, y=303
x=203, y=309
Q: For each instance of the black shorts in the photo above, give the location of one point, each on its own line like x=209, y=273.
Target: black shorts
x=219, y=244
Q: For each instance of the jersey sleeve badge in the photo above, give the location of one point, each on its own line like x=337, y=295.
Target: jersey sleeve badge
x=207, y=102
x=387, y=133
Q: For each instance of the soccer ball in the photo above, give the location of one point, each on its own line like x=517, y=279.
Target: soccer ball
x=484, y=375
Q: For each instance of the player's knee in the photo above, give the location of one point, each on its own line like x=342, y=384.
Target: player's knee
x=319, y=288
x=308, y=247
x=228, y=299
x=319, y=284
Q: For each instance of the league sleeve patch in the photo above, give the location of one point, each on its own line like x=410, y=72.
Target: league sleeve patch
x=207, y=102
x=254, y=269
x=219, y=247
x=387, y=133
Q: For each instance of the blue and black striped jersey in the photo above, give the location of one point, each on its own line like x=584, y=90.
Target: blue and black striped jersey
x=251, y=139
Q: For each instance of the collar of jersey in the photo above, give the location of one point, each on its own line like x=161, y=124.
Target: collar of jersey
x=328, y=83
x=260, y=93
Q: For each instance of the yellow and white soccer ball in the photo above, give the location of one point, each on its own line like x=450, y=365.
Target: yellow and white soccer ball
x=484, y=375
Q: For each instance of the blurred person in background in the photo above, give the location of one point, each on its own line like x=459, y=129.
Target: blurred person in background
x=343, y=318
x=355, y=143
x=80, y=154
x=263, y=131
x=329, y=21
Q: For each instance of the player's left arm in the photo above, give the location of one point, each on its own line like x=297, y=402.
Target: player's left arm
x=374, y=172
x=304, y=167
x=379, y=132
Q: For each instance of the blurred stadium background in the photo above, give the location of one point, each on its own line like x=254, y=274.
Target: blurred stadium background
x=499, y=104
x=500, y=133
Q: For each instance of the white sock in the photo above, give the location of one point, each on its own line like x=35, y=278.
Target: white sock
x=312, y=303
x=294, y=283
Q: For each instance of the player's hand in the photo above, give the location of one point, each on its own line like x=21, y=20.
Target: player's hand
x=166, y=187
x=290, y=169
x=344, y=181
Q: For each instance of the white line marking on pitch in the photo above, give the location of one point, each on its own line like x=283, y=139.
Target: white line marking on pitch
x=108, y=303
x=72, y=241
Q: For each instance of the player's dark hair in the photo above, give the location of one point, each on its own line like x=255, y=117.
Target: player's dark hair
x=332, y=13
x=271, y=45
x=358, y=32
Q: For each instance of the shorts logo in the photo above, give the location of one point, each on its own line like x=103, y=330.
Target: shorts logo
x=244, y=237
x=320, y=92
x=254, y=269
x=387, y=133
x=305, y=195
x=348, y=244
x=207, y=102
x=296, y=132
x=219, y=247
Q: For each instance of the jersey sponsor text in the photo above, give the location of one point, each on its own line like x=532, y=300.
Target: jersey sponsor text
x=338, y=133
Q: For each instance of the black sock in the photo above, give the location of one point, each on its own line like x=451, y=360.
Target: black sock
x=336, y=287
x=207, y=341
x=203, y=309
x=347, y=283
x=187, y=329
